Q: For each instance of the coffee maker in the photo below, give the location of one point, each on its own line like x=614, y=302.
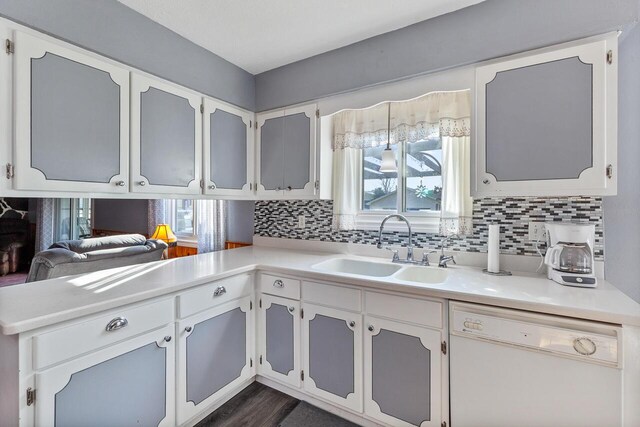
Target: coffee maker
x=569, y=256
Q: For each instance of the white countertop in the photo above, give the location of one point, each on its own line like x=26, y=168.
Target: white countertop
x=34, y=305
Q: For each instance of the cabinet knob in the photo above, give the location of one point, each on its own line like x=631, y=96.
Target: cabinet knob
x=115, y=324
x=142, y=183
x=485, y=181
x=278, y=284
x=212, y=187
x=188, y=329
x=167, y=338
x=120, y=183
x=371, y=328
x=220, y=290
x=289, y=188
x=291, y=309
x=352, y=323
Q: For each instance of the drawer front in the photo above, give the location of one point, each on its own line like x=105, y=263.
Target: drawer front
x=280, y=286
x=214, y=294
x=419, y=311
x=332, y=296
x=117, y=325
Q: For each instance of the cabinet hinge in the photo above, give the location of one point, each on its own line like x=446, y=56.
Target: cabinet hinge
x=260, y=302
x=202, y=183
x=250, y=124
x=317, y=185
x=31, y=396
x=255, y=124
x=609, y=56
x=609, y=171
x=443, y=347
x=250, y=305
x=8, y=46
x=302, y=375
x=201, y=108
x=318, y=113
x=261, y=359
x=444, y=424
x=302, y=313
x=9, y=170
x=250, y=363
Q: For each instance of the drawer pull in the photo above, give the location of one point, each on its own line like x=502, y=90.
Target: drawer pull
x=117, y=323
x=220, y=290
x=278, y=284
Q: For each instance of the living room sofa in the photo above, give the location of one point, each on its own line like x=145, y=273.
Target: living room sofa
x=70, y=257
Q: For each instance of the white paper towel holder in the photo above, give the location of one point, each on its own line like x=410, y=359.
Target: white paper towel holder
x=499, y=273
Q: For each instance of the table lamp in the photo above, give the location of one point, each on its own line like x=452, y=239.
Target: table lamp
x=163, y=232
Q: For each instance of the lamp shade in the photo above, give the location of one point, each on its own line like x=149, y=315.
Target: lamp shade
x=388, y=161
x=163, y=232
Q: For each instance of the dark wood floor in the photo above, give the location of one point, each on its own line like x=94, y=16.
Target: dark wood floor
x=255, y=406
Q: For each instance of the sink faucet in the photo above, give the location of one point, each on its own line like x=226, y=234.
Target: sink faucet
x=444, y=259
x=396, y=258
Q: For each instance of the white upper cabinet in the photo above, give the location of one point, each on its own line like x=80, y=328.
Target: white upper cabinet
x=228, y=151
x=166, y=138
x=71, y=119
x=546, y=122
x=286, y=151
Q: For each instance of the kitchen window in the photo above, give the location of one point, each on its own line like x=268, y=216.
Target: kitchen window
x=182, y=216
x=429, y=138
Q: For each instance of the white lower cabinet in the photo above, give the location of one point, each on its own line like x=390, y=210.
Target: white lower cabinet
x=332, y=347
x=402, y=373
x=214, y=355
x=279, y=339
x=130, y=383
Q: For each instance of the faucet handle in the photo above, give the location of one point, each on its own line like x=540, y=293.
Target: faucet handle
x=396, y=256
x=425, y=256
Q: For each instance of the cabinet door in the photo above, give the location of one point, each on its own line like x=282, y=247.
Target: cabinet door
x=228, y=150
x=214, y=355
x=402, y=371
x=299, y=141
x=270, y=149
x=279, y=348
x=166, y=138
x=332, y=343
x=546, y=123
x=131, y=383
x=71, y=119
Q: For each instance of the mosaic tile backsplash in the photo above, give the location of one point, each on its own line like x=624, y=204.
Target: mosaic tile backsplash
x=279, y=219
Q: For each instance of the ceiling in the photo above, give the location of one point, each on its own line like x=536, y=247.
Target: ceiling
x=258, y=35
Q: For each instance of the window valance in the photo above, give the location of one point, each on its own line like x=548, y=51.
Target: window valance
x=433, y=115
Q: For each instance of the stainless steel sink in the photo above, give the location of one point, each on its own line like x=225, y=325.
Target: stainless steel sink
x=359, y=267
x=428, y=275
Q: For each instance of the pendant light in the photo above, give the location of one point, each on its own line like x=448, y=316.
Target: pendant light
x=388, y=156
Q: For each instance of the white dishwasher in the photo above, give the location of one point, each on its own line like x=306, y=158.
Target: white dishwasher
x=514, y=368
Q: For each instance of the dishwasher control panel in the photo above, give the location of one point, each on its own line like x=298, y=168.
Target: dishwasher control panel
x=536, y=336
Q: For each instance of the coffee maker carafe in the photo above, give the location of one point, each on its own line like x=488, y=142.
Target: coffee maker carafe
x=569, y=256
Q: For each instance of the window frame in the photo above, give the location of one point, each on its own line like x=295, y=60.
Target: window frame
x=185, y=239
x=424, y=222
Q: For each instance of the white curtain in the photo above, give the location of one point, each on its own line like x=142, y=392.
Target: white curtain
x=45, y=223
x=212, y=225
x=438, y=114
x=157, y=214
x=347, y=175
x=457, y=205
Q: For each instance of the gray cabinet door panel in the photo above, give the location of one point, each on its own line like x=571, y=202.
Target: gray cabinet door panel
x=401, y=376
x=272, y=163
x=75, y=121
x=331, y=355
x=539, y=121
x=167, y=134
x=216, y=354
x=124, y=391
x=228, y=155
x=296, y=150
x=279, y=338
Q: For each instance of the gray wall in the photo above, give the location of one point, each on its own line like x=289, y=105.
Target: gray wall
x=240, y=224
x=121, y=215
x=113, y=30
x=622, y=212
x=490, y=29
